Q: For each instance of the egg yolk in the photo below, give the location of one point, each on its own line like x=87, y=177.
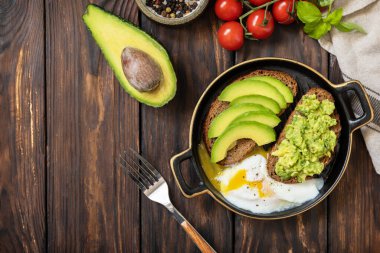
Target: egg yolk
x=213, y=170
x=239, y=180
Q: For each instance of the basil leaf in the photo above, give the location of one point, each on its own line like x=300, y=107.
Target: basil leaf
x=309, y=27
x=348, y=27
x=334, y=17
x=308, y=12
x=324, y=3
x=321, y=29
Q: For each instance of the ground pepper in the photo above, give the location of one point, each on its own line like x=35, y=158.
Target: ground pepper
x=172, y=8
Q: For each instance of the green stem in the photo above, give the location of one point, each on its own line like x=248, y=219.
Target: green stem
x=241, y=23
x=330, y=8
x=257, y=8
x=265, y=20
x=293, y=7
x=248, y=5
x=252, y=10
x=248, y=36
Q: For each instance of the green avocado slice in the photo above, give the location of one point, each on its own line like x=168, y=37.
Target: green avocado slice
x=113, y=34
x=266, y=118
x=280, y=86
x=225, y=118
x=252, y=87
x=259, y=133
x=258, y=99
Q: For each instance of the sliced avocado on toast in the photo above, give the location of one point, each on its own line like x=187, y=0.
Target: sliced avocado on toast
x=234, y=97
x=113, y=35
x=252, y=87
x=280, y=86
x=259, y=133
x=221, y=122
x=258, y=99
x=266, y=118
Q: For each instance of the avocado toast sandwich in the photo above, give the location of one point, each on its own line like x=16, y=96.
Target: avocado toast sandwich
x=307, y=143
x=244, y=147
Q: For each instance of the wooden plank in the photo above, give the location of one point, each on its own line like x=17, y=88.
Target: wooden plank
x=197, y=59
x=90, y=119
x=306, y=232
x=354, y=204
x=22, y=135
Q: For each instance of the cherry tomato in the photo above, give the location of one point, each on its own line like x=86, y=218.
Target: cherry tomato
x=228, y=10
x=283, y=11
x=231, y=35
x=261, y=25
x=258, y=2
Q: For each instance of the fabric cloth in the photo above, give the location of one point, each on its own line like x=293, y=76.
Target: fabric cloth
x=359, y=59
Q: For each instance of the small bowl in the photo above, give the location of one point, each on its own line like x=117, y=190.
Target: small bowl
x=150, y=13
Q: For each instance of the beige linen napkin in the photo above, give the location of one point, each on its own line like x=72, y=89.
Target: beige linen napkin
x=359, y=58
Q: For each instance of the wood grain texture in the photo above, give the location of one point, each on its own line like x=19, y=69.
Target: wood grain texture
x=354, y=207
x=22, y=129
x=91, y=205
x=62, y=130
x=306, y=232
x=197, y=59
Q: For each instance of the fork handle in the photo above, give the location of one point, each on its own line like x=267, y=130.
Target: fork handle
x=201, y=243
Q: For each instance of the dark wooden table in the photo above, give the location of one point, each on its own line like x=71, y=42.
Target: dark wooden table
x=64, y=119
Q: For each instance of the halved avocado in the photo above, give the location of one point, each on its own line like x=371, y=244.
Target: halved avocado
x=259, y=133
x=113, y=34
x=266, y=118
x=225, y=118
x=258, y=99
x=252, y=87
x=280, y=86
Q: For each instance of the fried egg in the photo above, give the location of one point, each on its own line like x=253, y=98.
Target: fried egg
x=247, y=185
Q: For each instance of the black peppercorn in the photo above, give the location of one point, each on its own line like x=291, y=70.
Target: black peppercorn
x=172, y=8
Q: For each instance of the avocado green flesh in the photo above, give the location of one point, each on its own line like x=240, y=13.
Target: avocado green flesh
x=258, y=99
x=225, y=118
x=259, y=133
x=308, y=138
x=251, y=87
x=266, y=118
x=280, y=86
x=112, y=34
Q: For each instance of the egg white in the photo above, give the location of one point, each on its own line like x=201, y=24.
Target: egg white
x=278, y=196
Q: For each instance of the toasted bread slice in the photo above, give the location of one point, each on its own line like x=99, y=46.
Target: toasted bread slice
x=244, y=146
x=272, y=160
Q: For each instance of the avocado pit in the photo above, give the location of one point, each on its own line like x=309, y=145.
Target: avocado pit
x=140, y=69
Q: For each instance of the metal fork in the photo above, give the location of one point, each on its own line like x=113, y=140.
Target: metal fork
x=154, y=186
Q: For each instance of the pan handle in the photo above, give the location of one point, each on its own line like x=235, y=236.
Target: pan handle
x=175, y=162
x=357, y=87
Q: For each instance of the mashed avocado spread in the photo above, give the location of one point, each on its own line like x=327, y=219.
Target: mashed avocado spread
x=308, y=138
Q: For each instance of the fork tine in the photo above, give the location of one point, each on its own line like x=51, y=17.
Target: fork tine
x=132, y=176
x=150, y=178
x=145, y=182
x=136, y=171
x=149, y=166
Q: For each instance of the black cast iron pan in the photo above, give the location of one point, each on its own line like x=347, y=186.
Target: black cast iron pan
x=306, y=78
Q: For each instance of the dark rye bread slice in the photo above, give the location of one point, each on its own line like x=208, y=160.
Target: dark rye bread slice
x=244, y=146
x=272, y=160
